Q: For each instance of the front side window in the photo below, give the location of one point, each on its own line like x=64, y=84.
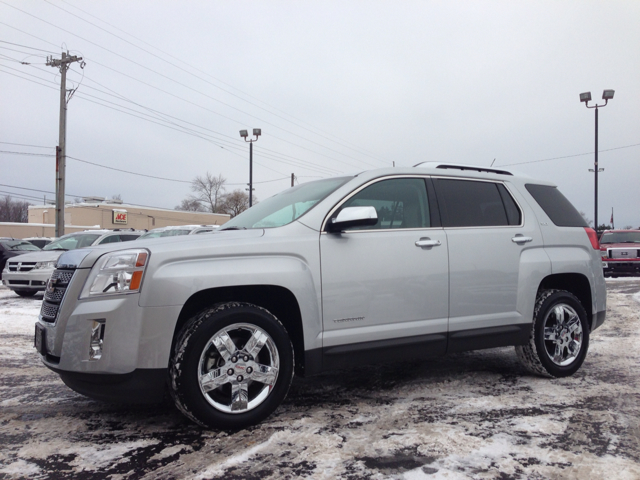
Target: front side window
x=73, y=241
x=110, y=239
x=399, y=203
x=468, y=203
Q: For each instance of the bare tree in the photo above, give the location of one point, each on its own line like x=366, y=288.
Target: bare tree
x=13, y=210
x=209, y=190
x=236, y=202
x=190, y=205
x=586, y=219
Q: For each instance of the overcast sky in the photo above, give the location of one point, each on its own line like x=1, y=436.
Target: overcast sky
x=335, y=86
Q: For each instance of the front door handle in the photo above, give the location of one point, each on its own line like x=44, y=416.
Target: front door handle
x=520, y=239
x=427, y=242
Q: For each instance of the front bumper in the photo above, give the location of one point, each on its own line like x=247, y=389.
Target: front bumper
x=135, y=346
x=32, y=280
x=610, y=268
x=140, y=386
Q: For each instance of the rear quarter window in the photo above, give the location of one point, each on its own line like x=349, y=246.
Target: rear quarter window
x=560, y=210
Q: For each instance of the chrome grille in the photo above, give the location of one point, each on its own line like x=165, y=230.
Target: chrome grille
x=21, y=266
x=54, y=293
x=49, y=311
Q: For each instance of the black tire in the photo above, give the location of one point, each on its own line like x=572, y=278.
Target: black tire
x=205, y=378
x=559, y=335
x=26, y=293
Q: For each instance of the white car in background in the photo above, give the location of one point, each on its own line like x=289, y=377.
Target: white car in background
x=178, y=230
x=28, y=274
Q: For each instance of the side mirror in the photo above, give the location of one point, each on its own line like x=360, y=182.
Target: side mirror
x=352, y=217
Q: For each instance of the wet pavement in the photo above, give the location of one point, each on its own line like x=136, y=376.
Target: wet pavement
x=473, y=415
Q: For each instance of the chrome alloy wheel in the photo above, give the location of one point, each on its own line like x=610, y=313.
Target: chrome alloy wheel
x=238, y=368
x=563, y=334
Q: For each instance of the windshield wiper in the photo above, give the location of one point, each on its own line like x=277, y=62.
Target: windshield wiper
x=65, y=249
x=233, y=228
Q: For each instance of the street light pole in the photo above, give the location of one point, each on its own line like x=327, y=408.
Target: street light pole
x=245, y=134
x=586, y=98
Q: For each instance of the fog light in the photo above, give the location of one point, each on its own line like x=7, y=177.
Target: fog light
x=97, y=339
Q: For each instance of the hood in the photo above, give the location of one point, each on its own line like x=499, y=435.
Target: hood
x=42, y=256
x=163, y=245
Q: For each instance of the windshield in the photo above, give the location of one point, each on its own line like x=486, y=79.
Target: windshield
x=164, y=233
x=73, y=241
x=19, y=246
x=620, y=237
x=286, y=206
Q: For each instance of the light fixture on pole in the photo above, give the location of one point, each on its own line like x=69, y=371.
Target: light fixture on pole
x=586, y=98
x=245, y=134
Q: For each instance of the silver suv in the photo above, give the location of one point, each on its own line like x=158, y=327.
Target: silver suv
x=28, y=274
x=381, y=266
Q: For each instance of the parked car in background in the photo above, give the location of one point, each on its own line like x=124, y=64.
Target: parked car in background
x=39, y=242
x=381, y=266
x=178, y=230
x=620, y=252
x=10, y=247
x=29, y=274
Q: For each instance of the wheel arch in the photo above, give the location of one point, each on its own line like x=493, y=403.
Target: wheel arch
x=278, y=300
x=575, y=283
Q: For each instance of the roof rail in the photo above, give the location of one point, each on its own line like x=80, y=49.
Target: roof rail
x=469, y=167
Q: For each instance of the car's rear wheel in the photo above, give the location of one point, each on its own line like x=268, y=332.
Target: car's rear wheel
x=232, y=366
x=559, y=337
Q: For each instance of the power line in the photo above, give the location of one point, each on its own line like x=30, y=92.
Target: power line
x=23, y=46
x=25, y=145
x=264, y=152
x=199, y=92
x=570, y=156
x=207, y=81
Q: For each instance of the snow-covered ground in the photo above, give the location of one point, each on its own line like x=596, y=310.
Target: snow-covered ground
x=473, y=415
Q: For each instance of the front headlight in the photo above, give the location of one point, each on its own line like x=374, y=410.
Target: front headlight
x=116, y=273
x=43, y=265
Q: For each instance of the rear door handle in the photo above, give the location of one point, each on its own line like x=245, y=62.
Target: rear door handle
x=520, y=239
x=427, y=242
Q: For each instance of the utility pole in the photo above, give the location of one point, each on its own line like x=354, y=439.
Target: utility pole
x=61, y=159
x=293, y=177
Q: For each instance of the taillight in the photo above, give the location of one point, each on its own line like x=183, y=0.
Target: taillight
x=593, y=238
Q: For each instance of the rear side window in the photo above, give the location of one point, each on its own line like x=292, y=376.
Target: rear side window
x=556, y=206
x=128, y=238
x=467, y=203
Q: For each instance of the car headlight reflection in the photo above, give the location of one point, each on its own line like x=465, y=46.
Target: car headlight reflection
x=116, y=273
x=45, y=265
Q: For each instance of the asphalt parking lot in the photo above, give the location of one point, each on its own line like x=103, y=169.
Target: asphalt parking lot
x=468, y=416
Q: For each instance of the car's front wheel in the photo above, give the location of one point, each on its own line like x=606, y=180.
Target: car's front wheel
x=559, y=337
x=26, y=293
x=232, y=366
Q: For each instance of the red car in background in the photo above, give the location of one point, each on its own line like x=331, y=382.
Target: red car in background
x=620, y=252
